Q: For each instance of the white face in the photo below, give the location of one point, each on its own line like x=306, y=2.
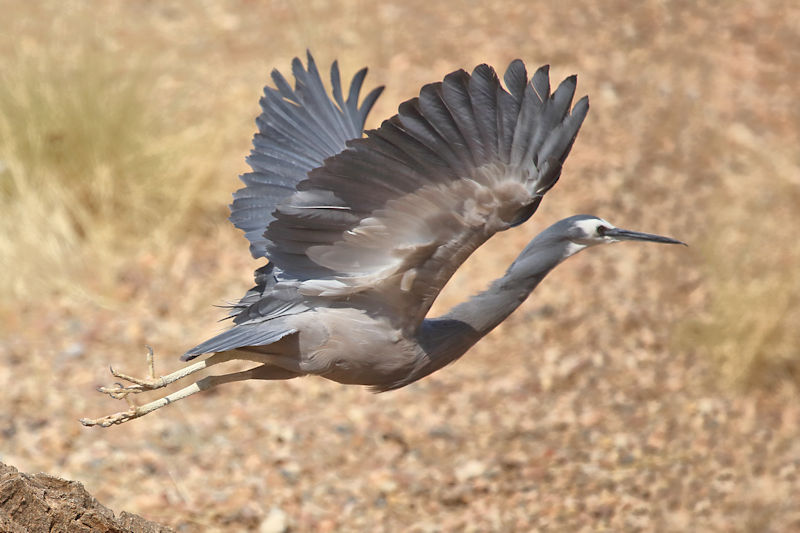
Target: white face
x=591, y=231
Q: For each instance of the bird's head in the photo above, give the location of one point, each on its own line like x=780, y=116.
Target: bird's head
x=571, y=235
x=581, y=231
x=589, y=230
x=568, y=237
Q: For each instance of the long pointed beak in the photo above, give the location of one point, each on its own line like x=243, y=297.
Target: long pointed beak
x=628, y=235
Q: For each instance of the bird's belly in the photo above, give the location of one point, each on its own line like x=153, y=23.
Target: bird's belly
x=373, y=368
x=359, y=350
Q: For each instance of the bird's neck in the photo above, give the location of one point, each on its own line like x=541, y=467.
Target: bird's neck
x=446, y=338
x=486, y=310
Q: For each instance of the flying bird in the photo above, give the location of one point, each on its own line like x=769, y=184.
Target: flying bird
x=363, y=229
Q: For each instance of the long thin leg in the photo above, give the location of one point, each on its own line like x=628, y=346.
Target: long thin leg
x=153, y=383
x=208, y=382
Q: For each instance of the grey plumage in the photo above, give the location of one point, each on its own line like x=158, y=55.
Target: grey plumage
x=335, y=237
x=362, y=231
x=298, y=129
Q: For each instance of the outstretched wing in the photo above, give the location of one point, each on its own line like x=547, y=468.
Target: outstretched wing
x=384, y=224
x=298, y=129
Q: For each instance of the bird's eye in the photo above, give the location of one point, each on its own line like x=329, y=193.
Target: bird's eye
x=601, y=230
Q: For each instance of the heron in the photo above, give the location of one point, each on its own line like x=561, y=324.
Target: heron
x=361, y=230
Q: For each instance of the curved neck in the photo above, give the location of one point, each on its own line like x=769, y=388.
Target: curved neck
x=486, y=310
x=444, y=339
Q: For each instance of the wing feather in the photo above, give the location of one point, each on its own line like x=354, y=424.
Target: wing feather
x=516, y=78
x=298, y=129
x=438, y=115
x=465, y=159
x=455, y=95
x=483, y=85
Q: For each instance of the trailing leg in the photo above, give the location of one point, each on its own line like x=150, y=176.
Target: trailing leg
x=268, y=372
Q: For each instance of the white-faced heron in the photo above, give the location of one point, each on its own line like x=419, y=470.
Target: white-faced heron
x=363, y=229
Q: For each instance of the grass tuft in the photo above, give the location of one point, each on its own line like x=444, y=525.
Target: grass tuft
x=88, y=170
x=750, y=328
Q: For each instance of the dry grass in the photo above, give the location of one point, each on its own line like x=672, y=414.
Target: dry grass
x=602, y=404
x=92, y=171
x=750, y=258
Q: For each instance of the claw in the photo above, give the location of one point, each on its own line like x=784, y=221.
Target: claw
x=117, y=393
x=110, y=420
x=139, y=384
x=122, y=392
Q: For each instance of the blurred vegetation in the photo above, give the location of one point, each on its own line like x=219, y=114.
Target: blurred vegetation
x=750, y=256
x=92, y=169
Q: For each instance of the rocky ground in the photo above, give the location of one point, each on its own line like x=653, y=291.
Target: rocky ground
x=46, y=503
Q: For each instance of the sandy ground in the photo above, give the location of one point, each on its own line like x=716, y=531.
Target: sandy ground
x=590, y=409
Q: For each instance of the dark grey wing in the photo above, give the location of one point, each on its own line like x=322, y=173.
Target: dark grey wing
x=385, y=223
x=297, y=130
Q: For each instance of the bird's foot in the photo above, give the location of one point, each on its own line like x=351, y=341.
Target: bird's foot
x=134, y=411
x=116, y=418
x=120, y=391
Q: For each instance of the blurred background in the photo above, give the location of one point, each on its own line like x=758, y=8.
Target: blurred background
x=639, y=388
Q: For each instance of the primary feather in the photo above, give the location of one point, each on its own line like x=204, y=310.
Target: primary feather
x=297, y=130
